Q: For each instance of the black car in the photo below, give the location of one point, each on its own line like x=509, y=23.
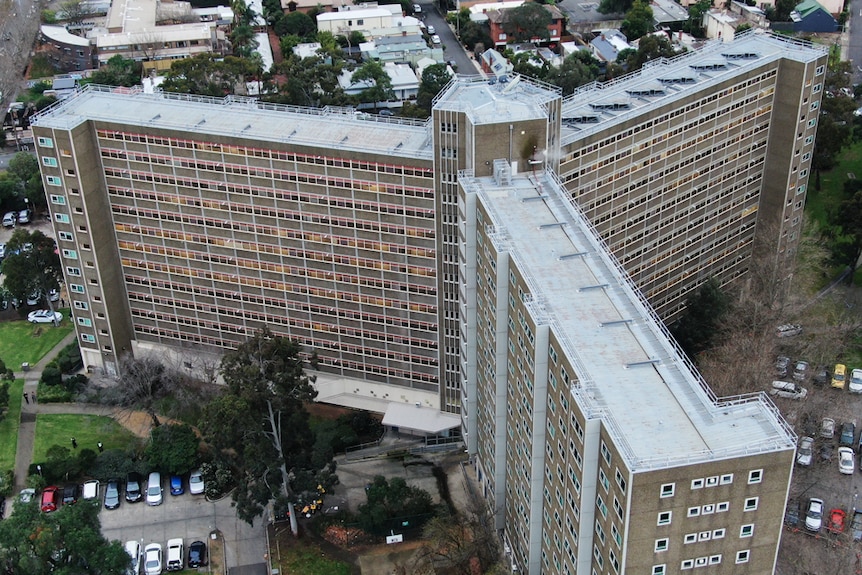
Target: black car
x=133, y=487
x=822, y=375
x=112, y=494
x=70, y=494
x=197, y=554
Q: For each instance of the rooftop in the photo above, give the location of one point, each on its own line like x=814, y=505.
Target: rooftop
x=595, y=106
x=650, y=398
x=518, y=98
x=327, y=128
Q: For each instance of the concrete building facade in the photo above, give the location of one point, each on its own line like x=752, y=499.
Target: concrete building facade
x=506, y=256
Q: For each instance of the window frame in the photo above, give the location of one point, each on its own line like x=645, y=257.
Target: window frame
x=667, y=490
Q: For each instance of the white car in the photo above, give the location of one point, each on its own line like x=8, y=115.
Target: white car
x=805, y=453
x=846, y=464
x=27, y=495
x=196, y=483
x=435, y=39
x=153, y=559
x=175, y=555
x=788, y=389
x=154, y=488
x=417, y=9
x=44, y=316
x=91, y=489
x=432, y=30
x=855, y=381
x=133, y=548
x=814, y=515
x=10, y=219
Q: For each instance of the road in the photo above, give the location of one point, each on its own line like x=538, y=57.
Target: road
x=19, y=25
x=452, y=49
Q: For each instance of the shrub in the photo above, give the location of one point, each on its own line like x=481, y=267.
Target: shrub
x=7, y=482
x=69, y=359
x=53, y=393
x=51, y=375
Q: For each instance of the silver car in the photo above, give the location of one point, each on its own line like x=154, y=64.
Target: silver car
x=805, y=453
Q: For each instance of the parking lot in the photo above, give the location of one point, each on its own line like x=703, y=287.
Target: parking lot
x=191, y=517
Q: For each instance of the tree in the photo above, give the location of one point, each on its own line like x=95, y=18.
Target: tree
x=614, y=6
x=694, y=24
x=297, y=23
x=638, y=21
x=23, y=166
x=381, y=90
x=173, y=449
x=649, y=48
x=434, y=79
x=31, y=265
x=66, y=542
x=576, y=70
x=260, y=425
x=141, y=383
x=207, y=75
x=462, y=542
x=243, y=41
x=527, y=22
x=118, y=71
x=390, y=500
x=311, y=82
x=697, y=328
x=74, y=11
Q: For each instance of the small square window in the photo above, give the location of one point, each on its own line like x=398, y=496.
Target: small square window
x=726, y=479
x=701, y=561
x=697, y=483
x=718, y=533
x=658, y=570
x=667, y=489
x=712, y=481
x=75, y=288
x=755, y=476
x=70, y=172
x=86, y=322
x=694, y=511
x=53, y=181
x=62, y=218
x=746, y=530
x=49, y=161
x=664, y=517
x=88, y=338
x=722, y=507
x=58, y=200
x=687, y=564
x=690, y=538
x=45, y=142
x=661, y=545
x=81, y=305
x=65, y=236
x=707, y=509
x=750, y=504
x=714, y=559
x=73, y=271
x=704, y=536
x=71, y=254
x=742, y=556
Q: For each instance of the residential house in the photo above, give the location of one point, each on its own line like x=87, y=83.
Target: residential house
x=67, y=52
x=608, y=44
x=497, y=20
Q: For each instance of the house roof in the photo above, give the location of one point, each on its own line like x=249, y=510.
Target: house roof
x=807, y=7
x=60, y=34
x=418, y=418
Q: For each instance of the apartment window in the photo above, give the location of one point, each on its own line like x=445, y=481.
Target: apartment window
x=74, y=191
x=667, y=489
x=606, y=454
x=658, y=570
x=814, y=105
x=661, y=545
x=750, y=504
x=73, y=271
x=809, y=140
x=65, y=153
x=694, y=511
x=618, y=507
x=806, y=156
x=690, y=538
x=707, y=509
x=664, y=518
x=697, y=483
x=45, y=142
x=62, y=218
x=704, y=536
x=49, y=161
x=53, y=181
x=71, y=254
x=81, y=305
x=718, y=533
x=70, y=172
x=742, y=556
x=65, y=236
x=722, y=507
x=75, y=288
x=85, y=322
x=800, y=190
x=687, y=564
x=58, y=200
x=602, y=507
x=812, y=122
x=755, y=476
x=819, y=70
x=714, y=559
x=803, y=173
x=552, y=353
x=726, y=479
x=86, y=337
x=620, y=480
x=816, y=88
x=746, y=530
x=700, y=562
x=603, y=479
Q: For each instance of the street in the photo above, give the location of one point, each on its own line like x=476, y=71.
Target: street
x=453, y=50
x=19, y=25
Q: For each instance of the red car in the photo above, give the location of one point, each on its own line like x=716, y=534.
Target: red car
x=837, y=519
x=50, y=499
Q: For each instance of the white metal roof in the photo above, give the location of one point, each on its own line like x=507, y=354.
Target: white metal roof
x=419, y=418
x=630, y=374
x=60, y=34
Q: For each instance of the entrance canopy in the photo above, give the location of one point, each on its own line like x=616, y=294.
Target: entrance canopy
x=426, y=420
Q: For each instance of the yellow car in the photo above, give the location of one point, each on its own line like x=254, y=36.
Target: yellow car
x=838, y=376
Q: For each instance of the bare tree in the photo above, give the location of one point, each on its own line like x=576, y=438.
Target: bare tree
x=149, y=44
x=141, y=383
x=74, y=12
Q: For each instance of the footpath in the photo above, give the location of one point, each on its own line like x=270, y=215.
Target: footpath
x=29, y=410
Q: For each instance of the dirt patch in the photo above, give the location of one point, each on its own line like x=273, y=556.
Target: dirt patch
x=138, y=422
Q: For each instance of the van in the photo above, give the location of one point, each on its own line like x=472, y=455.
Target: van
x=838, y=376
x=133, y=548
x=154, y=489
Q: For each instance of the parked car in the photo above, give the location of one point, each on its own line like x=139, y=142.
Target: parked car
x=386, y=112
x=153, y=559
x=34, y=298
x=9, y=219
x=53, y=295
x=821, y=376
x=814, y=515
x=804, y=453
x=788, y=389
x=133, y=548
x=112, y=494
x=2, y=251
x=154, y=488
x=50, y=499
x=176, y=485
x=800, y=372
x=791, y=515
x=827, y=428
x=133, y=487
x=91, y=489
x=196, y=483
x=837, y=520
x=70, y=494
x=856, y=526
x=431, y=29
x=848, y=434
x=855, y=381
x=781, y=365
x=26, y=495
x=197, y=554
x=24, y=216
x=435, y=39
x=846, y=461
x=417, y=9
x=44, y=316
x=838, y=376
x=175, y=555
x=789, y=330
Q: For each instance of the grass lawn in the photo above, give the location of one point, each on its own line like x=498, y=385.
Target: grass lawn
x=88, y=430
x=22, y=341
x=306, y=559
x=9, y=426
